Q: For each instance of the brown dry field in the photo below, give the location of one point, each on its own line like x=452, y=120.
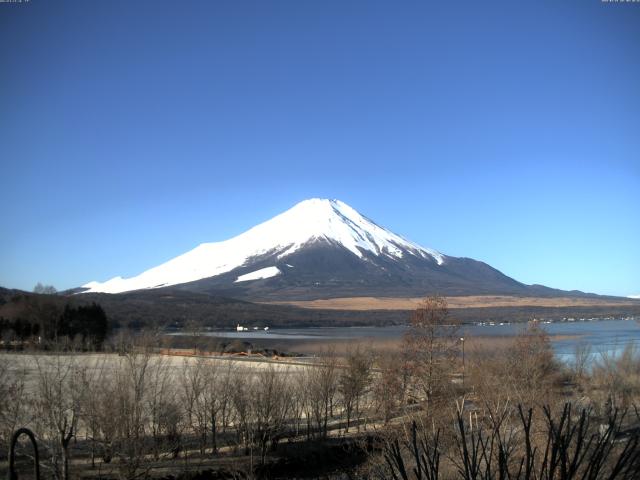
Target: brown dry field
x=475, y=301
x=340, y=347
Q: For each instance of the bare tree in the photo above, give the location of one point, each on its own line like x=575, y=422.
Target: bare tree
x=431, y=345
x=128, y=398
x=322, y=383
x=532, y=367
x=353, y=383
x=44, y=289
x=218, y=381
x=242, y=405
x=194, y=328
x=58, y=403
x=101, y=412
x=309, y=403
x=229, y=374
x=299, y=400
x=271, y=404
x=388, y=385
x=161, y=405
x=93, y=383
x=13, y=404
x=582, y=356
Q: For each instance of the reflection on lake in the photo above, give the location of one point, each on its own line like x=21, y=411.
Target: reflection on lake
x=604, y=336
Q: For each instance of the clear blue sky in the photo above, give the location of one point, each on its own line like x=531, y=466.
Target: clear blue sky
x=509, y=132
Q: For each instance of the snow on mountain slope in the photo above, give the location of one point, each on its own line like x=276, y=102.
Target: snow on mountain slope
x=259, y=274
x=308, y=221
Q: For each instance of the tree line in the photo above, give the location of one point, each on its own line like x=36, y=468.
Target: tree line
x=44, y=321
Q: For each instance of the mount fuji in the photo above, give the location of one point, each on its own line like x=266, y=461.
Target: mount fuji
x=320, y=249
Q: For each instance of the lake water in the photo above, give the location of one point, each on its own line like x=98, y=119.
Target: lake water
x=603, y=336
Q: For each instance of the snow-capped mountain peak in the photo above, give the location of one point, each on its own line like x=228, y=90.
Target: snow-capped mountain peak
x=313, y=220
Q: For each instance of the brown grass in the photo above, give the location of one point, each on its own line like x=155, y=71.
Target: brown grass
x=474, y=301
x=319, y=347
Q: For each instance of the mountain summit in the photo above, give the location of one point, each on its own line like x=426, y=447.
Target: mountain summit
x=308, y=222
x=318, y=249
